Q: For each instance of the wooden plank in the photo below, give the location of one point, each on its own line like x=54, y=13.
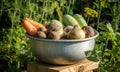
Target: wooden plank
x=82, y=66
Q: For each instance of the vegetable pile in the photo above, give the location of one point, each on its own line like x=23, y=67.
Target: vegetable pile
x=72, y=27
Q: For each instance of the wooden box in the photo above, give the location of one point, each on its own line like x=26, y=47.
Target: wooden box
x=83, y=66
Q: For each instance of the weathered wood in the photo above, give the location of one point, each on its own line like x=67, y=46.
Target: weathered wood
x=82, y=66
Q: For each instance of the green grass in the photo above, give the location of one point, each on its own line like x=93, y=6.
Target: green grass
x=14, y=46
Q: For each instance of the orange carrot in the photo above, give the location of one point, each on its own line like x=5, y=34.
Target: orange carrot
x=36, y=24
x=29, y=28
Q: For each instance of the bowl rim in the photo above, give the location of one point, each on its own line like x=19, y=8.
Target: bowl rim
x=65, y=40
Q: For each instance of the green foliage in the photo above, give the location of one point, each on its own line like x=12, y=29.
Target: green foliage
x=108, y=50
x=14, y=46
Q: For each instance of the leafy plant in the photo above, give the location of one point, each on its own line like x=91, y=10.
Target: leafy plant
x=14, y=46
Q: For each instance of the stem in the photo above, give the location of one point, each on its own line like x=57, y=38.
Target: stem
x=1, y=10
x=11, y=30
x=99, y=17
x=69, y=7
x=30, y=9
x=117, y=15
x=44, y=3
x=12, y=16
x=88, y=19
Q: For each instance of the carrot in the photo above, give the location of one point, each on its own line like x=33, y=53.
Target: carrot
x=36, y=24
x=31, y=30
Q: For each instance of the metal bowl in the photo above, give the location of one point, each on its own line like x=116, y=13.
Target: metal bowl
x=61, y=52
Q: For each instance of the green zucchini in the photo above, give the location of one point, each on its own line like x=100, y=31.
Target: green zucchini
x=79, y=18
x=69, y=20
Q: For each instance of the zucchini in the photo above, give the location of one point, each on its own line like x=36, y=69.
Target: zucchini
x=69, y=20
x=79, y=18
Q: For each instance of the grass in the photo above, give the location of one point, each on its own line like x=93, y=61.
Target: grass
x=14, y=46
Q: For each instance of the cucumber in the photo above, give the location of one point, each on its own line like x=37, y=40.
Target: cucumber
x=69, y=20
x=79, y=18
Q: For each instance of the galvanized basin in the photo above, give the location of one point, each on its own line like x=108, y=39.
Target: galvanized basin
x=61, y=52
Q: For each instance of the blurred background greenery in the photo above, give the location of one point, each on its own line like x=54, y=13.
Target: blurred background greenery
x=102, y=15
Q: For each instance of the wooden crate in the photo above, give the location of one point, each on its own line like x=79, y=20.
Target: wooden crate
x=82, y=66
